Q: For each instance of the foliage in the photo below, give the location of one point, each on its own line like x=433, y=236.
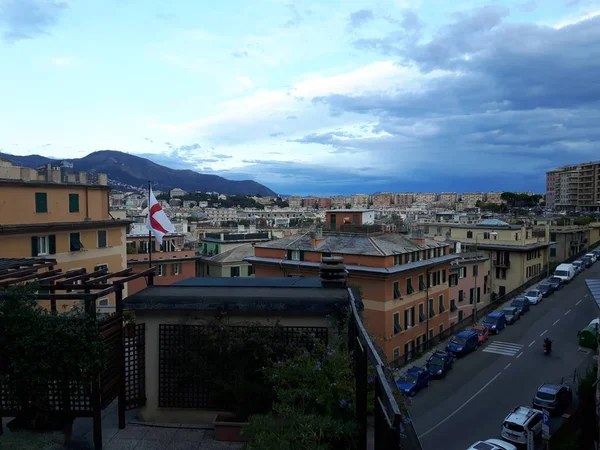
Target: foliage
x=26, y=440
x=492, y=207
x=579, y=221
x=38, y=348
x=587, y=408
x=521, y=200
x=314, y=404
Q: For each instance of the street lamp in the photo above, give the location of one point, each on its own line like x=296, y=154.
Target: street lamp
x=493, y=233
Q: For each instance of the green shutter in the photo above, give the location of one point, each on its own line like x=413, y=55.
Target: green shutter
x=52, y=244
x=34, y=246
x=153, y=246
x=41, y=202
x=289, y=255
x=73, y=203
x=301, y=255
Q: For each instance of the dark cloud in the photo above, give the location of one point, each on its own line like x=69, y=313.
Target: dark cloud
x=359, y=18
x=240, y=54
x=27, y=19
x=500, y=97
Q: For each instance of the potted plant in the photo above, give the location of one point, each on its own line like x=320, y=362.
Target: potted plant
x=129, y=323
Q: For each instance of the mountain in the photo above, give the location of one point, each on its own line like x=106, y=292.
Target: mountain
x=135, y=171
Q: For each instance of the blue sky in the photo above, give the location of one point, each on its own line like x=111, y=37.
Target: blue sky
x=309, y=97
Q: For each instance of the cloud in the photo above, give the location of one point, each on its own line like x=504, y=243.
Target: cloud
x=240, y=54
x=28, y=19
x=244, y=82
x=360, y=17
x=278, y=134
x=291, y=117
x=296, y=18
x=150, y=140
x=222, y=156
x=187, y=148
x=64, y=61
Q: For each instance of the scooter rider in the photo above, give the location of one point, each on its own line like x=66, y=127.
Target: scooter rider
x=548, y=344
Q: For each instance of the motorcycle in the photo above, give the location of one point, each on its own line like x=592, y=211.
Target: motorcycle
x=547, y=348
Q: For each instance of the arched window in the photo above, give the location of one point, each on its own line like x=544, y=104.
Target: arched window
x=469, y=235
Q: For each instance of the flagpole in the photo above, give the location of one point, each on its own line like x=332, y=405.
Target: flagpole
x=149, y=231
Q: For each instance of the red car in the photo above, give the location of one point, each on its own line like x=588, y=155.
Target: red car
x=482, y=333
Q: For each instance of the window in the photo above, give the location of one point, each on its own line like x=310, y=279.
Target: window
x=443, y=275
x=441, y=329
x=421, y=313
x=397, y=260
x=101, y=267
x=462, y=272
x=486, y=235
x=553, y=237
x=434, y=277
x=41, y=202
x=235, y=271
x=295, y=255
x=409, y=317
x=160, y=270
x=469, y=235
x=430, y=307
x=396, y=352
x=453, y=307
x=176, y=268
x=553, y=251
x=453, y=279
x=397, y=327
x=396, y=289
x=421, y=283
x=74, y=203
x=103, y=302
x=500, y=273
x=475, y=270
x=431, y=333
x=441, y=304
x=409, y=288
x=43, y=245
x=326, y=255
x=101, y=238
x=250, y=270
x=461, y=295
x=75, y=242
x=461, y=314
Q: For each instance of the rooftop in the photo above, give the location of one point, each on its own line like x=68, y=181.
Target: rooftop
x=235, y=254
x=48, y=184
x=376, y=244
x=350, y=210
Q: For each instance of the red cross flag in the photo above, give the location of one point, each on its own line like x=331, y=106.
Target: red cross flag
x=158, y=222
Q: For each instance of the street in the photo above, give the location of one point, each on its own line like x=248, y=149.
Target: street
x=471, y=403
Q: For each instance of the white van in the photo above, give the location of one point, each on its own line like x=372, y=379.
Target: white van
x=565, y=272
x=593, y=256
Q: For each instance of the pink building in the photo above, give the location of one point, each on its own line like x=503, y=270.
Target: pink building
x=468, y=284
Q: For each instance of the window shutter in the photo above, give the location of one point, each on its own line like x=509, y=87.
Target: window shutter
x=34, y=246
x=74, y=203
x=289, y=255
x=301, y=255
x=173, y=269
x=41, y=202
x=153, y=246
x=52, y=244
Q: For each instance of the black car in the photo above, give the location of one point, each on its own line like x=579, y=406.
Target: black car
x=546, y=289
x=522, y=303
x=587, y=261
x=557, y=283
x=439, y=363
x=553, y=397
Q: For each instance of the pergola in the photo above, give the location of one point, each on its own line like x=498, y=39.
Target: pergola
x=80, y=286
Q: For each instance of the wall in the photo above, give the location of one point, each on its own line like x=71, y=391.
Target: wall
x=168, y=261
x=17, y=204
x=466, y=284
x=151, y=412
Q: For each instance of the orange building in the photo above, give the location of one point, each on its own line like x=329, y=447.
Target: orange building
x=335, y=219
x=173, y=263
x=404, y=281
x=69, y=222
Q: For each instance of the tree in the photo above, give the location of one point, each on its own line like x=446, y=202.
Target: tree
x=348, y=206
x=478, y=203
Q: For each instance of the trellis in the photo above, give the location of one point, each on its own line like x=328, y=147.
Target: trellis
x=80, y=286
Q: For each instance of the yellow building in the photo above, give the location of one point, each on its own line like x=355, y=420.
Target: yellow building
x=69, y=222
x=517, y=253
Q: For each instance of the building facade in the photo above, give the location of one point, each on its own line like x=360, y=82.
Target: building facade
x=470, y=199
x=383, y=199
x=574, y=187
x=425, y=197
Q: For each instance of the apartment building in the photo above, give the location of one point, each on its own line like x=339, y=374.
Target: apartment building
x=425, y=197
x=176, y=192
x=221, y=214
x=470, y=199
x=324, y=202
x=339, y=201
x=404, y=198
x=494, y=198
x=335, y=219
x=383, y=199
x=469, y=285
x=404, y=281
x=310, y=202
x=574, y=187
x=569, y=240
x=449, y=198
x=359, y=201
x=69, y=222
x=295, y=202
x=517, y=253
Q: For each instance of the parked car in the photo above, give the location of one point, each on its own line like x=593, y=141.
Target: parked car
x=522, y=303
x=553, y=397
x=512, y=314
x=413, y=380
x=597, y=253
x=546, y=289
x=534, y=296
x=463, y=343
x=492, y=444
x=556, y=283
x=566, y=272
x=591, y=255
x=482, y=333
x=579, y=266
x=495, y=321
x=587, y=261
x=520, y=423
x=439, y=363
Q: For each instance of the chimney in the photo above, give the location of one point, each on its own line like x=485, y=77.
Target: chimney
x=316, y=237
x=333, y=272
x=417, y=236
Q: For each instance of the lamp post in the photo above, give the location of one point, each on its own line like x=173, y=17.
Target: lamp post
x=476, y=296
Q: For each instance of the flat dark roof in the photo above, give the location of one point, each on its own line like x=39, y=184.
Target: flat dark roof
x=62, y=226
x=250, y=282
x=38, y=183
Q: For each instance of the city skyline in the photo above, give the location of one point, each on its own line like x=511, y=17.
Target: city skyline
x=309, y=99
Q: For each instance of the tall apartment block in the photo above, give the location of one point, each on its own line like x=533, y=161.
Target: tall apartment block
x=575, y=187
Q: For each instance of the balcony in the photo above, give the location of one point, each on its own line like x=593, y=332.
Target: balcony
x=502, y=263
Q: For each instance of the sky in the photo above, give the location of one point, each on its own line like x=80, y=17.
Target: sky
x=309, y=97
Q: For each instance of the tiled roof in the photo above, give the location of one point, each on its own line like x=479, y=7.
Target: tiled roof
x=382, y=244
x=235, y=254
x=493, y=223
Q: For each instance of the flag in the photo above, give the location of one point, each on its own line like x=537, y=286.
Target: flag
x=157, y=222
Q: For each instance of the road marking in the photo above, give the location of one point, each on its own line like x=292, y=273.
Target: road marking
x=507, y=366
x=578, y=302
x=460, y=407
x=586, y=295
x=503, y=348
x=567, y=312
x=519, y=355
x=556, y=322
x=545, y=331
x=532, y=342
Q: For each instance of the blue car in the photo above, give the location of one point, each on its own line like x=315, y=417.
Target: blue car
x=522, y=303
x=495, y=321
x=463, y=343
x=415, y=379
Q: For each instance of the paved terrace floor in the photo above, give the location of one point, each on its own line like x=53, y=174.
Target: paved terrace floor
x=142, y=436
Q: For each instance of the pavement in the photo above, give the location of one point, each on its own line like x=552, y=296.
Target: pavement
x=471, y=403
